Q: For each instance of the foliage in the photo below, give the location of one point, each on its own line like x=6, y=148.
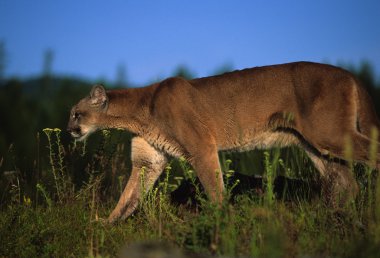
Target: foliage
x=62, y=221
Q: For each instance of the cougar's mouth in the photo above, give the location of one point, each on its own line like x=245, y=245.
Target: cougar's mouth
x=77, y=133
x=77, y=136
x=80, y=134
x=81, y=138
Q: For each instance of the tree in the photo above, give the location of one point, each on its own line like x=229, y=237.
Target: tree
x=2, y=60
x=48, y=63
x=184, y=72
x=121, y=76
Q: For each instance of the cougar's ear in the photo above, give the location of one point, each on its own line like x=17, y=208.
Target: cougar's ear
x=98, y=96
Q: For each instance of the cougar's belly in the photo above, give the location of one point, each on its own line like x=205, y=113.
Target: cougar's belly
x=257, y=140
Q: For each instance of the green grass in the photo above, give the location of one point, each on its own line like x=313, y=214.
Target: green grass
x=64, y=218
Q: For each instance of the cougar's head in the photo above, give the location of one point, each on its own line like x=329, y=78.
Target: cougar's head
x=84, y=116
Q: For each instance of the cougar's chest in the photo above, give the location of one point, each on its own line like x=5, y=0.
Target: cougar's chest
x=163, y=143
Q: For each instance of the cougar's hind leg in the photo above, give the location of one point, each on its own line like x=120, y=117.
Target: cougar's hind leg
x=147, y=166
x=329, y=129
x=346, y=145
x=366, y=114
x=368, y=121
x=360, y=126
x=372, y=134
x=338, y=183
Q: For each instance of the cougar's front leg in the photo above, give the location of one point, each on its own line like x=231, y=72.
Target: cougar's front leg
x=147, y=165
x=207, y=167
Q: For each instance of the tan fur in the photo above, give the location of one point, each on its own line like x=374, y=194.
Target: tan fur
x=311, y=105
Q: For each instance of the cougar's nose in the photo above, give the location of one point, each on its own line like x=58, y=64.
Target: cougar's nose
x=70, y=129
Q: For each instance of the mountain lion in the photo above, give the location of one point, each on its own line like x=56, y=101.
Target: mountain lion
x=320, y=108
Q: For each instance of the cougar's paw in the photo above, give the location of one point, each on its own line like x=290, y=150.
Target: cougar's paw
x=113, y=218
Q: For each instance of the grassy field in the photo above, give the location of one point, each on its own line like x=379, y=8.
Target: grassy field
x=61, y=214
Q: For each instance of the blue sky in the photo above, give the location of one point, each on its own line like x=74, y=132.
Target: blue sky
x=91, y=39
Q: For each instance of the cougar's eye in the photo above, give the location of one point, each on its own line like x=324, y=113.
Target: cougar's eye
x=76, y=115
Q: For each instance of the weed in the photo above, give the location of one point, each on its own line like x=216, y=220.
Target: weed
x=68, y=222
x=45, y=194
x=228, y=175
x=63, y=184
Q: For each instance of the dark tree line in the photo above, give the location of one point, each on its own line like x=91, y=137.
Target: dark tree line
x=29, y=106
